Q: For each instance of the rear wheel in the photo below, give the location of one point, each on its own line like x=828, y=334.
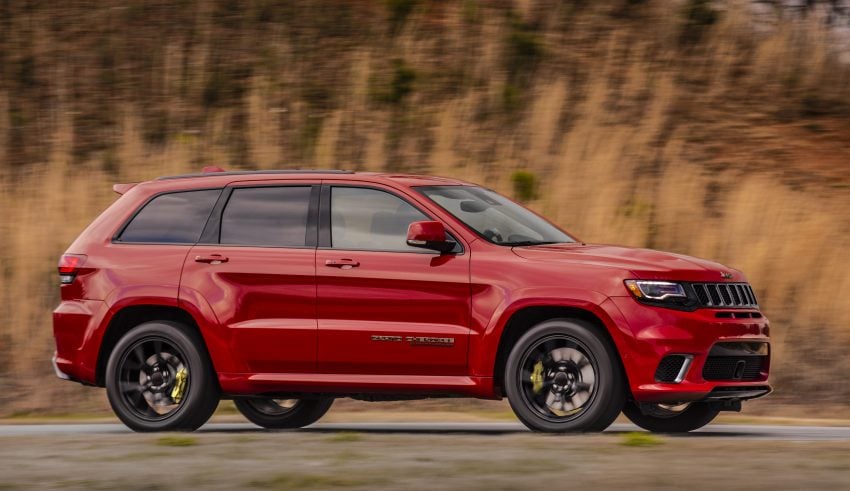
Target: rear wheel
x=159, y=378
x=563, y=375
x=665, y=418
x=282, y=413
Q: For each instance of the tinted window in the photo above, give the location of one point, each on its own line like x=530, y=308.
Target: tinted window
x=267, y=216
x=369, y=219
x=174, y=218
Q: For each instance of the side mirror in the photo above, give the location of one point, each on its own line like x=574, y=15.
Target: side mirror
x=429, y=235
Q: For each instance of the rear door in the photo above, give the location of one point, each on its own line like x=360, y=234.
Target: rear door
x=385, y=307
x=256, y=268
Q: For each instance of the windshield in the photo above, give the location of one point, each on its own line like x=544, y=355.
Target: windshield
x=494, y=217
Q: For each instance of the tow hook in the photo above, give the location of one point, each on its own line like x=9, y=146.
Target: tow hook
x=179, y=385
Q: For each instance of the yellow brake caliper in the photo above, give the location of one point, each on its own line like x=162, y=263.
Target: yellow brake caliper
x=179, y=385
x=537, y=377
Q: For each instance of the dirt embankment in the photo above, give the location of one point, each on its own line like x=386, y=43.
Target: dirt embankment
x=690, y=128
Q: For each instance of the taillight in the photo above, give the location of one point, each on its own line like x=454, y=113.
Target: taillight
x=69, y=266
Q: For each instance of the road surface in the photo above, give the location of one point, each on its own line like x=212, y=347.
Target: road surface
x=462, y=456
x=757, y=432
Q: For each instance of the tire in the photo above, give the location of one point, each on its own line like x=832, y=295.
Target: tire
x=143, y=378
x=277, y=414
x=661, y=419
x=579, y=385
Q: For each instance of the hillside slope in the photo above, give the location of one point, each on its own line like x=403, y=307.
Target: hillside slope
x=673, y=125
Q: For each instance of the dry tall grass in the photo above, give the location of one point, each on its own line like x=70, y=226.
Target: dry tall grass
x=732, y=146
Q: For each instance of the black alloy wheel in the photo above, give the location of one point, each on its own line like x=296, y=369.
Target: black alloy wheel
x=671, y=418
x=282, y=413
x=563, y=375
x=157, y=379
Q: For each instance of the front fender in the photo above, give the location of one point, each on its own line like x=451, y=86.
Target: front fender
x=484, y=345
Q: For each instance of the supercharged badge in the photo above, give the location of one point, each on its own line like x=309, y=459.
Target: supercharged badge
x=430, y=341
x=415, y=340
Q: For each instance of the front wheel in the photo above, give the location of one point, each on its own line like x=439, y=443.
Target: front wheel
x=282, y=413
x=664, y=418
x=563, y=375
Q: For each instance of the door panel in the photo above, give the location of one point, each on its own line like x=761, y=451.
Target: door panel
x=261, y=285
x=266, y=298
x=389, y=312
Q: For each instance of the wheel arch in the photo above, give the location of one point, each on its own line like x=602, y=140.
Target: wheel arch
x=525, y=318
x=131, y=316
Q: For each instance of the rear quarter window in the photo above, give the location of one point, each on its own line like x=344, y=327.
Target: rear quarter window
x=173, y=218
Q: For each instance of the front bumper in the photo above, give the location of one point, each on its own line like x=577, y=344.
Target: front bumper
x=59, y=373
x=658, y=332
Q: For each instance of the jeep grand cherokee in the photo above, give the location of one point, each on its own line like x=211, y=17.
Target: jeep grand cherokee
x=283, y=290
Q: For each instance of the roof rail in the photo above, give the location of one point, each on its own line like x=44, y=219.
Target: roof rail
x=254, y=172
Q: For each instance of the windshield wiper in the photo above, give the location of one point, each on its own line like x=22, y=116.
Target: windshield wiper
x=528, y=243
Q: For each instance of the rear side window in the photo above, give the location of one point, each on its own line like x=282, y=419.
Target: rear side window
x=173, y=218
x=267, y=216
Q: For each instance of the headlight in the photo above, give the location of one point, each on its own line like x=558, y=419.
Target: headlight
x=667, y=294
x=656, y=290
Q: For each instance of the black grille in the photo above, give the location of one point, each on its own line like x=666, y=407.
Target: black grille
x=733, y=367
x=669, y=368
x=725, y=295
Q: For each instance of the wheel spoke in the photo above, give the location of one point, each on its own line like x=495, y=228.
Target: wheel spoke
x=139, y=354
x=578, y=399
x=588, y=375
x=128, y=387
x=569, y=377
x=157, y=351
x=131, y=365
x=551, y=399
x=147, y=374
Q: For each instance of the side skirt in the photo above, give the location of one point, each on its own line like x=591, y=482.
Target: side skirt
x=344, y=385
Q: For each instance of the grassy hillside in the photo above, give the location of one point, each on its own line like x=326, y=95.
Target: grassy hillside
x=685, y=126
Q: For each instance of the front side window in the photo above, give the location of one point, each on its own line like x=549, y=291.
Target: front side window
x=369, y=219
x=494, y=217
x=173, y=218
x=267, y=216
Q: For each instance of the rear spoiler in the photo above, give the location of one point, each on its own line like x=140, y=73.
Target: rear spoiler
x=123, y=188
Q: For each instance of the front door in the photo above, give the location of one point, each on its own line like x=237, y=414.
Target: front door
x=257, y=271
x=385, y=307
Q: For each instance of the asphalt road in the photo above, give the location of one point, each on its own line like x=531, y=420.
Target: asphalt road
x=751, y=432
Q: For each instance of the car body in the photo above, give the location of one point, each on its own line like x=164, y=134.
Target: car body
x=351, y=318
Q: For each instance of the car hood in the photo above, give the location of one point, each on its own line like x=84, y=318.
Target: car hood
x=644, y=264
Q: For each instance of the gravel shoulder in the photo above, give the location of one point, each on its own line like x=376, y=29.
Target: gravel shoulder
x=367, y=460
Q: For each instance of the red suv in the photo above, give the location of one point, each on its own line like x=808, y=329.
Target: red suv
x=283, y=290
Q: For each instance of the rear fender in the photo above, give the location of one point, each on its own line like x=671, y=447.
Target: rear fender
x=217, y=337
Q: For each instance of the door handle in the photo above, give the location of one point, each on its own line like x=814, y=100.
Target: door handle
x=211, y=259
x=342, y=263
